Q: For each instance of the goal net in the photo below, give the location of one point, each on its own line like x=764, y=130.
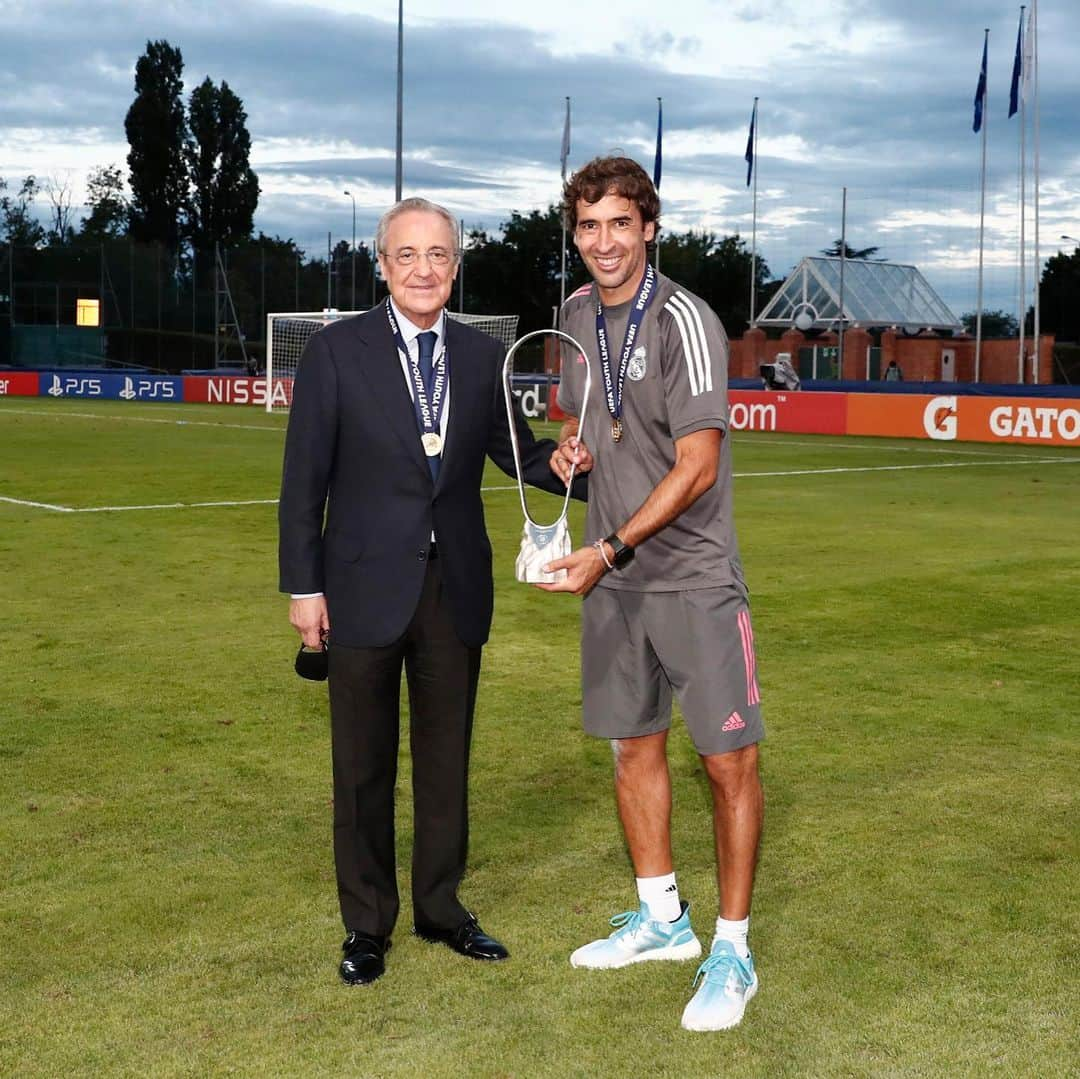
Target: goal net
x=288, y=332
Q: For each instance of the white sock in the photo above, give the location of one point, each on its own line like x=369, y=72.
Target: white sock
x=735, y=932
x=661, y=895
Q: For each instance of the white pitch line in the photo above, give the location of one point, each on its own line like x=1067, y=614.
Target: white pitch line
x=185, y=505
x=149, y=506
x=888, y=445
x=909, y=468
x=177, y=506
x=36, y=505
x=140, y=419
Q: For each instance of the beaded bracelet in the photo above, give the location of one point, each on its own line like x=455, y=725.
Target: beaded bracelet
x=599, y=545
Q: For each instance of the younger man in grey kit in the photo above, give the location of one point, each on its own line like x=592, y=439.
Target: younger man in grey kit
x=666, y=606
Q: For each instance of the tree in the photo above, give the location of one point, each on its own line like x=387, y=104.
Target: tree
x=107, y=204
x=994, y=323
x=1059, y=298
x=716, y=269
x=867, y=253
x=58, y=188
x=224, y=189
x=156, y=127
x=341, y=273
x=519, y=273
x=17, y=220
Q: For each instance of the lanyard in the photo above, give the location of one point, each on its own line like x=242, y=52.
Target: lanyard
x=613, y=386
x=430, y=411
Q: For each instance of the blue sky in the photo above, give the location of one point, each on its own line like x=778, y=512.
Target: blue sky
x=872, y=94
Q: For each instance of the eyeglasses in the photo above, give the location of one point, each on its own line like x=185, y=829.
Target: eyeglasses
x=407, y=256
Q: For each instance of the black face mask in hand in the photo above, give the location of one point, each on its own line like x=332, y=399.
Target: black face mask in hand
x=313, y=663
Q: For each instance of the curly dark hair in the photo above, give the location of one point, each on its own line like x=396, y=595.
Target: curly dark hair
x=610, y=176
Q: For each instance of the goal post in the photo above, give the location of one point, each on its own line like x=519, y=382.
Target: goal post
x=288, y=332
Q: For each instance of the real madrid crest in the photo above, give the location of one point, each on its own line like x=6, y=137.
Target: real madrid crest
x=635, y=369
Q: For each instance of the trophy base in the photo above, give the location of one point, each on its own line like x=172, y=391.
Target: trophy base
x=539, y=546
x=535, y=575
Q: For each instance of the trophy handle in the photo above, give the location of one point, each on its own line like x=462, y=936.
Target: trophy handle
x=509, y=395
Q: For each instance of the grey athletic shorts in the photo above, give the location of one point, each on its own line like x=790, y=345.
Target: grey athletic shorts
x=638, y=647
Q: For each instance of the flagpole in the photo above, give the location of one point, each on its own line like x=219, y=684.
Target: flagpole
x=400, y=95
x=562, y=249
x=843, y=263
x=753, y=233
x=982, y=215
x=1023, y=205
x=657, y=165
x=1034, y=29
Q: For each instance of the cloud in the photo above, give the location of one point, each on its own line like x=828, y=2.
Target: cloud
x=871, y=95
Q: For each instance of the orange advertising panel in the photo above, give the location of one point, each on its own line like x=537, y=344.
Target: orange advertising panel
x=1038, y=421
x=898, y=415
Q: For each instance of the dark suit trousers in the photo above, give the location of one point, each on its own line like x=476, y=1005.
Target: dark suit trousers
x=442, y=675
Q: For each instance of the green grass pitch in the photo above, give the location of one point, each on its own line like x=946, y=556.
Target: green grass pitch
x=167, y=893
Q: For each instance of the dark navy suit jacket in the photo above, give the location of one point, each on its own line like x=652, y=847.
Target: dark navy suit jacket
x=353, y=451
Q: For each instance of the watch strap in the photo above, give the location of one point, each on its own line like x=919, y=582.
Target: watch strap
x=622, y=553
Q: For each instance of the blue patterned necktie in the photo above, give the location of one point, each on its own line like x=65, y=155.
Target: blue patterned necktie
x=426, y=341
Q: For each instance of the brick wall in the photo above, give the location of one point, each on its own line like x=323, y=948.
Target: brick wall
x=920, y=358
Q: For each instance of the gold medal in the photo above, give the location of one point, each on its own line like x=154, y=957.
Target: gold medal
x=616, y=430
x=432, y=444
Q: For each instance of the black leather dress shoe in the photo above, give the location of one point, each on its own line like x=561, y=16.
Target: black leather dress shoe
x=365, y=958
x=467, y=939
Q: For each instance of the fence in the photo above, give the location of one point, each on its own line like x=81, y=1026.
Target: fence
x=160, y=311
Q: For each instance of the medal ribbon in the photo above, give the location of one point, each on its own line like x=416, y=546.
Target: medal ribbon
x=430, y=411
x=613, y=386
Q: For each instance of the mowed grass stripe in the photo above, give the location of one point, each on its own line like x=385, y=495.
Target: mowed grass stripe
x=778, y=473
x=184, y=448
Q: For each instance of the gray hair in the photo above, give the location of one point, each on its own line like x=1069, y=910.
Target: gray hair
x=414, y=205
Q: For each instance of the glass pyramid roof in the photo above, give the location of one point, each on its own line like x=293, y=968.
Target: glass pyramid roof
x=875, y=294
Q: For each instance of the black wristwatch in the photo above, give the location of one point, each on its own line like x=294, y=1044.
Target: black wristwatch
x=622, y=554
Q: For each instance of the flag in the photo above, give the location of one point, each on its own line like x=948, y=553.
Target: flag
x=749, y=155
x=1018, y=66
x=980, y=91
x=659, y=160
x=1029, y=50
x=565, y=152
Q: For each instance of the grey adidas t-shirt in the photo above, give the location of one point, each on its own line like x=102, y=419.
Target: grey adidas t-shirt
x=676, y=384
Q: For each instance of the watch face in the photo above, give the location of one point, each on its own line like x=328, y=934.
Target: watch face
x=622, y=553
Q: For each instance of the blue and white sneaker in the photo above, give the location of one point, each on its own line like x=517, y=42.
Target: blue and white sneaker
x=727, y=983
x=639, y=936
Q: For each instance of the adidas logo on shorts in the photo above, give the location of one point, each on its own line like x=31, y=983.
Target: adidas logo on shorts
x=734, y=722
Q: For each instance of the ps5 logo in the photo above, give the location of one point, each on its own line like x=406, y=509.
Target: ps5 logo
x=148, y=389
x=74, y=387
x=156, y=389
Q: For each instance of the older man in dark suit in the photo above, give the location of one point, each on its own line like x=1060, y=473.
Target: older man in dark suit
x=385, y=553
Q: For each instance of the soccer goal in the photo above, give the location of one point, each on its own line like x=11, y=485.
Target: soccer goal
x=288, y=332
